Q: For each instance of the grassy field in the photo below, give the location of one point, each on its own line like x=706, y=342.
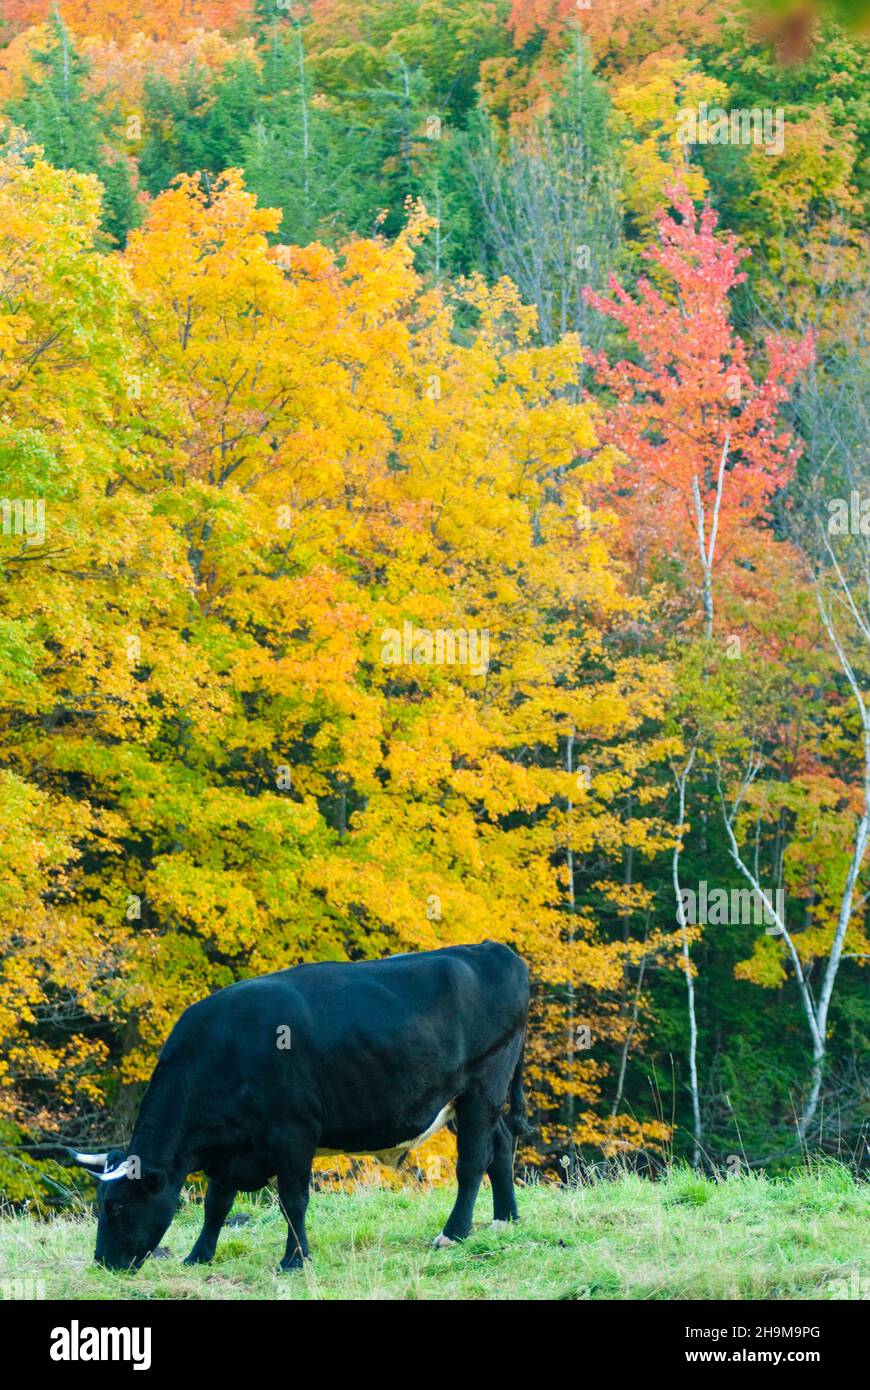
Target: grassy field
x=685, y=1237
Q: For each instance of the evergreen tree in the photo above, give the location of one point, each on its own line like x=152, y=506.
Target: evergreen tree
x=198, y=123
x=74, y=128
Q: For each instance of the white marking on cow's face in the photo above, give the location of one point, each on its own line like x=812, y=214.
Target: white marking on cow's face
x=391, y=1157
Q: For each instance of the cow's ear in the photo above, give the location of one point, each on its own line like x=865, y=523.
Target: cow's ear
x=153, y=1181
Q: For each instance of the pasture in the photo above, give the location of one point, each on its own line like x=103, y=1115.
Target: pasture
x=686, y=1237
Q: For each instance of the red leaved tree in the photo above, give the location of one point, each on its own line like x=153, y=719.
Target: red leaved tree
x=704, y=452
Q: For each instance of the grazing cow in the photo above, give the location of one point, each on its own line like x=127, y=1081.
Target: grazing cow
x=365, y=1058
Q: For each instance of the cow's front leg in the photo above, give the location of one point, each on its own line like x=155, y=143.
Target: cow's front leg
x=475, y=1126
x=293, y=1189
x=218, y=1200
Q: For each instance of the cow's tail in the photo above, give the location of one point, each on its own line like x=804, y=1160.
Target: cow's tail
x=517, y=1122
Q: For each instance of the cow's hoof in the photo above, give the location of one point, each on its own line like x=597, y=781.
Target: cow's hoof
x=194, y=1259
x=442, y=1242
x=290, y=1266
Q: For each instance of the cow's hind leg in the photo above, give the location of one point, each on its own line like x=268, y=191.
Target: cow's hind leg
x=475, y=1125
x=218, y=1200
x=293, y=1188
x=501, y=1175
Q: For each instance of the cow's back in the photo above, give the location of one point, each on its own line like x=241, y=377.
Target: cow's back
x=362, y=1055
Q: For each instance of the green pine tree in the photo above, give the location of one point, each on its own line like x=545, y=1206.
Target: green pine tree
x=73, y=128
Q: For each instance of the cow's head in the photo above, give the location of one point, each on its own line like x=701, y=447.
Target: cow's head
x=135, y=1206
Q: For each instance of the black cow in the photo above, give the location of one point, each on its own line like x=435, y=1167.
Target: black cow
x=363, y=1058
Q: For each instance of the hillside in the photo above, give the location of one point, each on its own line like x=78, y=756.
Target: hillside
x=684, y=1238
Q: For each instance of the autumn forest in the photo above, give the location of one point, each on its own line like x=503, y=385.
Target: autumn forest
x=435, y=507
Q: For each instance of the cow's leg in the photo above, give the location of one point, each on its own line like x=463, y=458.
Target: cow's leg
x=475, y=1125
x=218, y=1200
x=501, y=1175
x=293, y=1188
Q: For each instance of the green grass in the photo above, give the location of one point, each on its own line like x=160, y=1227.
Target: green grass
x=685, y=1237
